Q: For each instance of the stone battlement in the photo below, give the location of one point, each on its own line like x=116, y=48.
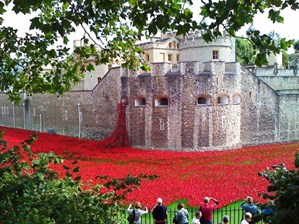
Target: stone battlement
x=181, y=68
x=193, y=41
x=274, y=72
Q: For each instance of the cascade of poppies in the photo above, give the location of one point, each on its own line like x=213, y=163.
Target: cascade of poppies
x=119, y=137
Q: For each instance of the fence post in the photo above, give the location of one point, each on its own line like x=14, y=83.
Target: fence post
x=235, y=215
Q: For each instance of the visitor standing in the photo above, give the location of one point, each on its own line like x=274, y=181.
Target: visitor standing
x=181, y=216
x=137, y=211
x=248, y=206
x=196, y=219
x=159, y=212
x=268, y=211
x=247, y=218
x=207, y=209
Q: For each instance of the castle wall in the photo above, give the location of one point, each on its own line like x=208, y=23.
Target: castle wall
x=183, y=123
x=282, y=82
x=105, y=97
x=260, y=72
x=50, y=112
x=11, y=115
x=196, y=49
x=91, y=78
x=77, y=113
x=288, y=126
x=260, y=107
x=139, y=123
x=163, y=50
x=211, y=105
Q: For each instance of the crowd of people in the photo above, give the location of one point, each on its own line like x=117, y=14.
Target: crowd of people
x=204, y=214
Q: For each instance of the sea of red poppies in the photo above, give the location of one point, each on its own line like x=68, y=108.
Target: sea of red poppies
x=228, y=175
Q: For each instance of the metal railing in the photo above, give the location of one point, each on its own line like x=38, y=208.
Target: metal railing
x=235, y=215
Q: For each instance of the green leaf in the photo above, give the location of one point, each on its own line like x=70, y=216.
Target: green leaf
x=296, y=163
x=75, y=170
x=152, y=28
x=35, y=23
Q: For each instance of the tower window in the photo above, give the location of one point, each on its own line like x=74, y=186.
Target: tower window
x=203, y=101
x=215, y=54
x=169, y=57
x=147, y=57
x=223, y=100
x=174, y=44
x=161, y=102
x=140, y=101
x=236, y=99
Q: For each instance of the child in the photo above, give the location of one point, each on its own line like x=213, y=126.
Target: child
x=196, y=219
x=247, y=218
x=225, y=220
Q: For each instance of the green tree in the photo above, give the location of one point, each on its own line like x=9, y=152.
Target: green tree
x=31, y=192
x=245, y=53
x=114, y=26
x=296, y=46
x=284, y=189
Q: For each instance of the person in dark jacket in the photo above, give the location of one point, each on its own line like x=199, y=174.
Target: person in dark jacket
x=159, y=212
x=248, y=206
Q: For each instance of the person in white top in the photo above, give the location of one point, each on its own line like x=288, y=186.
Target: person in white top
x=138, y=212
x=247, y=218
x=196, y=219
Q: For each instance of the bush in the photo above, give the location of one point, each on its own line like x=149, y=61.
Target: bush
x=284, y=189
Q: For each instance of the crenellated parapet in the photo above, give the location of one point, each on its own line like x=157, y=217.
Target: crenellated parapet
x=196, y=40
x=183, y=68
x=272, y=71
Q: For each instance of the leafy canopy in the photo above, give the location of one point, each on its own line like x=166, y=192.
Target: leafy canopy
x=244, y=51
x=296, y=46
x=113, y=26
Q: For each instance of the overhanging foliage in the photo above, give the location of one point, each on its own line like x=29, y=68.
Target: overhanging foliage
x=112, y=28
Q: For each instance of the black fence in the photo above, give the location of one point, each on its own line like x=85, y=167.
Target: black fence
x=235, y=216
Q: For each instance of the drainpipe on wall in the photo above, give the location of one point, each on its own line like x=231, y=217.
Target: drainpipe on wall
x=24, y=115
x=79, y=121
x=13, y=115
x=40, y=122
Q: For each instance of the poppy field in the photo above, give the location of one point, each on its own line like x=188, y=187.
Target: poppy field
x=228, y=175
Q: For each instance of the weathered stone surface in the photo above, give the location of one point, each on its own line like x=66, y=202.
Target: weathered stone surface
x=241, y=107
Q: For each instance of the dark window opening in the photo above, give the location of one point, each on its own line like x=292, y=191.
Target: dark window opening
x=203, y=101
x=140, y=102
x=223, y=100
x=215, y=54
x=161, y=102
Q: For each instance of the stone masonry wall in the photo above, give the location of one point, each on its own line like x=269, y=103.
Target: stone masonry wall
x=282, y=83
x=241, y=108
x=184, y=124
x=90, y=114
x=259, y=111
x=50, y=112
x=288, y=113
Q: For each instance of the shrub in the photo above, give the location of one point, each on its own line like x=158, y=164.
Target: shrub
x=284, y=189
